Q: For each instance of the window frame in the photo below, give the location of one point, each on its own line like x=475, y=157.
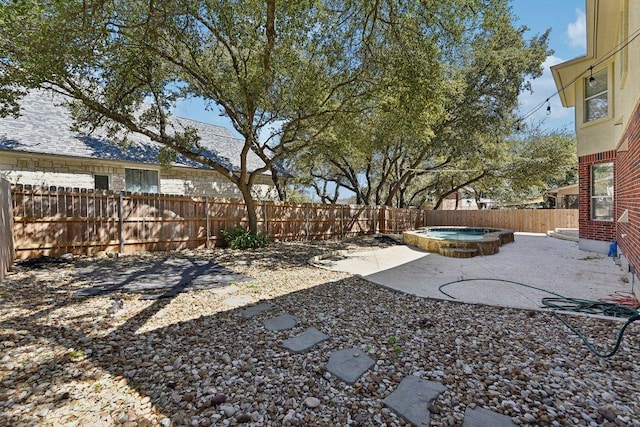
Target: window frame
x=607, y=92
x=151, y=189
x=95, y=182
x=608, y=198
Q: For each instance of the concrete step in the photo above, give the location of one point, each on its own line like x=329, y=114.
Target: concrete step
x=568, y=231
x=570, y=234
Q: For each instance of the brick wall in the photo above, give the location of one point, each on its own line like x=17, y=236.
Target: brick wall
x=628, y=191
x=604, y=231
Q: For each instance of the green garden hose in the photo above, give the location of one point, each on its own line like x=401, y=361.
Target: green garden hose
x=563, y=303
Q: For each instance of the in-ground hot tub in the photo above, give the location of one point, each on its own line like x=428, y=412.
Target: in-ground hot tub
x=459, y=242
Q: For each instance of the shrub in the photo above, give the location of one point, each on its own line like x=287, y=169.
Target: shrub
x=240, y=238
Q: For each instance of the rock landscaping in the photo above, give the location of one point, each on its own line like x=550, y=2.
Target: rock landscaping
x=198, y=358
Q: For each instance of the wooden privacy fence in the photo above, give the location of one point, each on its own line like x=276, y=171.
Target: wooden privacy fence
x=527, y=220
x=6, y=228
x=54, y=221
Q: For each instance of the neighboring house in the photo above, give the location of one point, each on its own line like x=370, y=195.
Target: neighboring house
x=533, y=203
x=40, y=149
x=604, y=89
x=464, y=200
x=565, y=197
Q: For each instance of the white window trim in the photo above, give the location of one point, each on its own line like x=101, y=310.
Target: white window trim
x=592, y=196
x=141, y=169
x=610, y=82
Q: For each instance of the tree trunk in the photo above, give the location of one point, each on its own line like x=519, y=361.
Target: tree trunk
x=250, y=205
x=279, y=184
x=438, y=203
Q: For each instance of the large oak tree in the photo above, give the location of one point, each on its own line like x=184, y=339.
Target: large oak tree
x=445, y=117
x=280, y=71
x=364, y=93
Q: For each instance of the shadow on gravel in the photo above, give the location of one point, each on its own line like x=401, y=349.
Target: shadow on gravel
x=168, y=275
x=190, y=369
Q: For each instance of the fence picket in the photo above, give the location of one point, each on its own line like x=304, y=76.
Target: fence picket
x=525, y=220
x=54, y=221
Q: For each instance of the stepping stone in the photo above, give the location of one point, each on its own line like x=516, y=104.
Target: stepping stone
x=304, y=341
x=237, y=301
x=411, y=398
x=480, y=417
x=254, y=310
x=225, y=290
x=349, y=364
x=281, y=323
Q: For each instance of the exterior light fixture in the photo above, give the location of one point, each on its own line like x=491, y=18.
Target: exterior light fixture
x=592, y=80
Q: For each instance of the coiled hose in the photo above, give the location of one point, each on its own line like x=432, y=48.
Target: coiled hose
x=560, y=302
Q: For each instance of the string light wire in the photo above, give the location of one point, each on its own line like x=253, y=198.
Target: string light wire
x=614, y=51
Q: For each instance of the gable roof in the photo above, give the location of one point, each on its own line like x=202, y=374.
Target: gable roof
x=44, y=127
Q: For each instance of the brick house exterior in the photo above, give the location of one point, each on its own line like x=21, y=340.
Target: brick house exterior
x=628, y=192
x=39, y=148
x=604, y=231
x=605, y=92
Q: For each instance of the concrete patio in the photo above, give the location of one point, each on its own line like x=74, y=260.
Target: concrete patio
x=555, y=265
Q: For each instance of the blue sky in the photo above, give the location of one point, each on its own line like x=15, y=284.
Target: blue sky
x=566, y=19
x=567, y=22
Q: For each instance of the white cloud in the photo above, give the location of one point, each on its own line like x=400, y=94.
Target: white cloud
x=577, y=30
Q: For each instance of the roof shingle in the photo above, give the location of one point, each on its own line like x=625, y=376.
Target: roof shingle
x=44, y=127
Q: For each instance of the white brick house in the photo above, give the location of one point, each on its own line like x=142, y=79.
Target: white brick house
x=40, y=149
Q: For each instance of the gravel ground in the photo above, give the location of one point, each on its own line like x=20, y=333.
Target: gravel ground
x=193, y=360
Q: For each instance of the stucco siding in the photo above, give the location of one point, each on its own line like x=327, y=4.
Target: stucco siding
x=602, y=134
x=611, y=46
x=616, y=23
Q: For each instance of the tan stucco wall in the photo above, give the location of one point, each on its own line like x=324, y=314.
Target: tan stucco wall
x=627, y=82
x=38, y=170
x=598, y=135
x=614, y=21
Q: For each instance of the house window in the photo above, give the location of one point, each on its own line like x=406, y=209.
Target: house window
x=101, y=182
x=596, y=96
x=141, y=180
x=602, y=192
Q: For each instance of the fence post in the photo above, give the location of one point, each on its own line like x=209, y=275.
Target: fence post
x=394, y=216
x=412, y=223
x=342, y=221
x=306, y=220
x=265, y=218
x=374, y=212
x=207, y=219
x=121, y=221
x=7, y=250
x=384, y=228
x=376, y=219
